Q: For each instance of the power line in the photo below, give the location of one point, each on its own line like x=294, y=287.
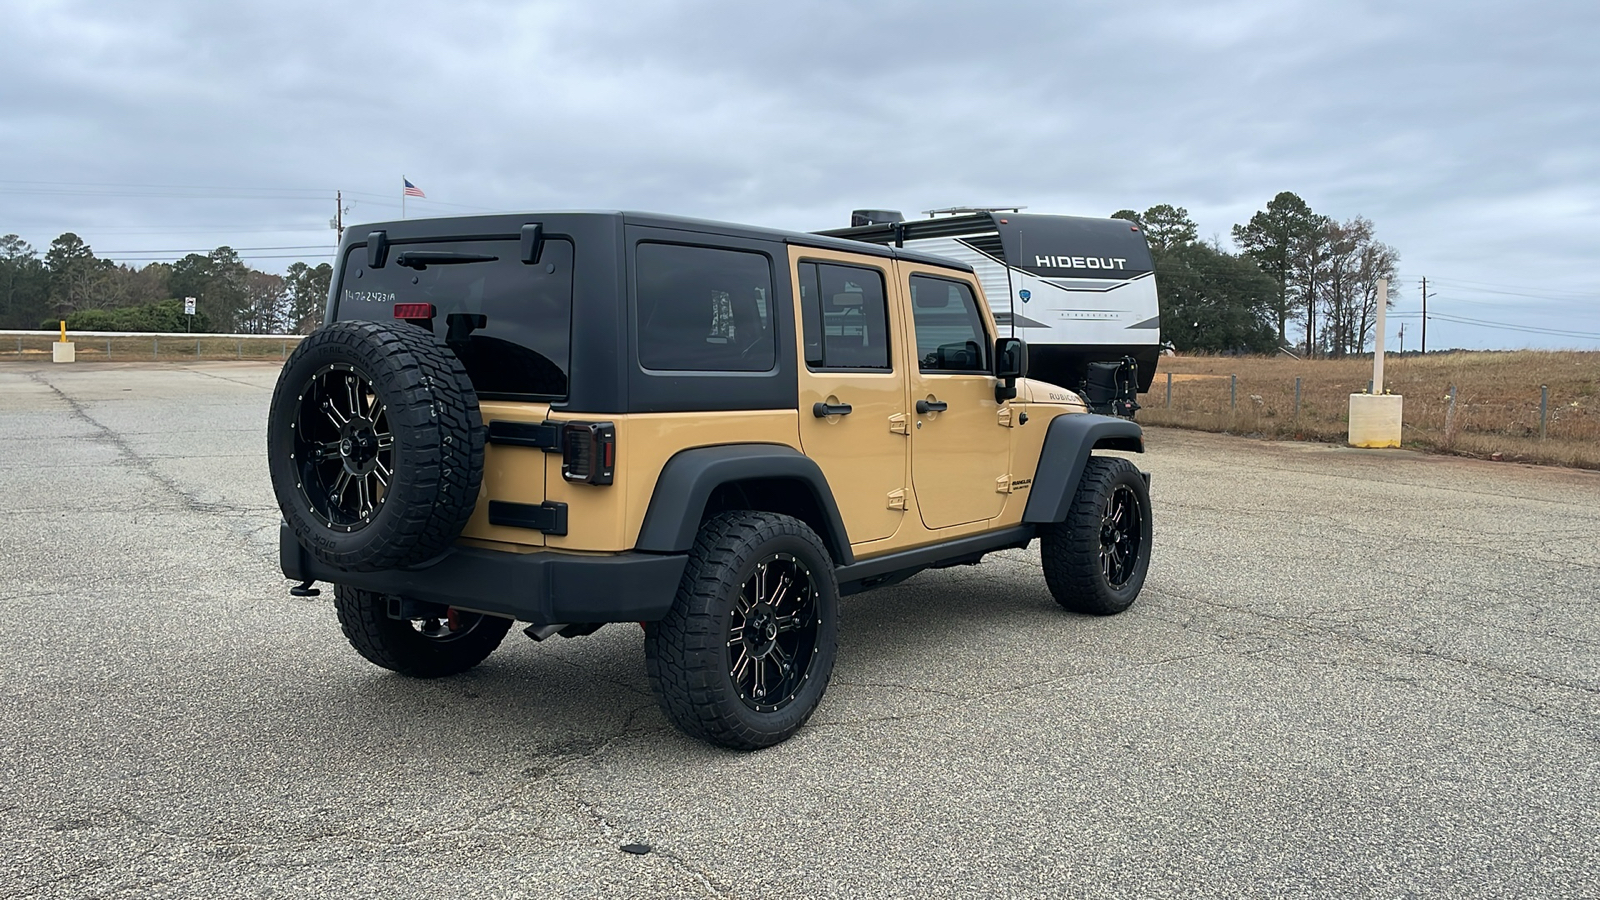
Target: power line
x=187, y=187
x=327, y=254
x=186, y=192
x=163, y=195
x=1482, y=323
x=1485, y=287
x=105, y=253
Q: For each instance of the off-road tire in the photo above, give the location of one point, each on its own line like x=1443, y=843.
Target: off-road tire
x=437, y=444
x=1072, y=551
x=687, y=654
x=459, y=640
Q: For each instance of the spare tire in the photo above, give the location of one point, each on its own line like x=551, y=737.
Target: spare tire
x=375, y=445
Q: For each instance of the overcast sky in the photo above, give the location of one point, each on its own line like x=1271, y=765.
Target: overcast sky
x=1468, y=132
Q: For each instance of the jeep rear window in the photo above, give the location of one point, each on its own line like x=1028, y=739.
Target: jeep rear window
x=704, y=309
x=510, y=323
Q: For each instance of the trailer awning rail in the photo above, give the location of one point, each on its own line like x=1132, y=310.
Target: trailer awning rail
x=897, y=233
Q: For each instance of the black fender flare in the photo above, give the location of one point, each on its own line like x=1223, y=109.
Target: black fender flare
x=1067, y=445
x=687, y=480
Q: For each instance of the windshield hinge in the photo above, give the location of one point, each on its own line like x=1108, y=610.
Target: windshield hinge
x=532, y=243
x=377, y=249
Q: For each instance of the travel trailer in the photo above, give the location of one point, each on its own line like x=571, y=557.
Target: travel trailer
x=1077, y=290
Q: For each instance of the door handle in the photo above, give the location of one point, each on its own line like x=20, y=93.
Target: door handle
x=823, y=410
x=927, y=406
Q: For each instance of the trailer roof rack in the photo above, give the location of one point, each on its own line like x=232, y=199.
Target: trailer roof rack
x=961, y=210
x=897, y=233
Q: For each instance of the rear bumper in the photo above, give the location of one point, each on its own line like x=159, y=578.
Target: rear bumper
x=543, y=587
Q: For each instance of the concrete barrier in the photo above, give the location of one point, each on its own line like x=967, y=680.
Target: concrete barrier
x=1375, y=420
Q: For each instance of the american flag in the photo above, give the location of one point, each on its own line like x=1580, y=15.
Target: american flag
x=413, y=191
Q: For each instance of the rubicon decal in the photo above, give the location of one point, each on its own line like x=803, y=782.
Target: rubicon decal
x=1080, y=262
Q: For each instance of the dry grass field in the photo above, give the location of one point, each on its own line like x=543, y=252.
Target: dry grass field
x=1496, y=405
x=1495, y=416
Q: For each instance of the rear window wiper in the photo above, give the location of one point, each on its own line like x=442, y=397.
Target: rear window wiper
x=421, y=259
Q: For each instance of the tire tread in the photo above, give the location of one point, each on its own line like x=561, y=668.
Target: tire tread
x=395, y=645
x=443, y=452
x=684, y=651
x=1070, y=550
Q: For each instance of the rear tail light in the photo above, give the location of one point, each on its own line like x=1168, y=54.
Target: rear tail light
x=420, y=313
x=588, y=452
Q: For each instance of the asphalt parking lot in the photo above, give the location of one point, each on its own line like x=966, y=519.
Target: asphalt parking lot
x=1350, y=674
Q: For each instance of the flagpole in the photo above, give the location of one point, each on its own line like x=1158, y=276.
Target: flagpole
x=402, y=196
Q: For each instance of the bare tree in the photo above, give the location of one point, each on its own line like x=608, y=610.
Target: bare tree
x=265, y=307
x=1354, y=262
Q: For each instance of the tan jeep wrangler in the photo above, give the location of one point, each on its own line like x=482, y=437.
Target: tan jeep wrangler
x=715, y=430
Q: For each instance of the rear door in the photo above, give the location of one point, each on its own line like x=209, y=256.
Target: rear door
x=853, y=419
x=959, y=449
x=510, y=325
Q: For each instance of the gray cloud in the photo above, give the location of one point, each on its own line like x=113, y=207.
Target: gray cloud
x=1466, y=131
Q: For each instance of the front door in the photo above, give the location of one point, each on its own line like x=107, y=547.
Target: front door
x=959, y=449
x=853, y=419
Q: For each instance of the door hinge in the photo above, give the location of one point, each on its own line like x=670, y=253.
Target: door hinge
x=545, y=436
x=1002, y=485
x=549, y=517
x=897, y=499
x=897, y=424
x=1004, y=416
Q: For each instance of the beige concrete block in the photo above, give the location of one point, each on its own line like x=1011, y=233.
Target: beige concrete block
x=1375, y=420
x=64, y=351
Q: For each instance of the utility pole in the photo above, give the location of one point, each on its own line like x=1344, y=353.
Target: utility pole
x=1424, y=316
x=1402, y=337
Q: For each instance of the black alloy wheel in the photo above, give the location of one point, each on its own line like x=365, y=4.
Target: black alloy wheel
x=772, y=639
x=1121, y=540
x=344, y=448
x=374, y=445
x=744, y=655
x=1095, y=562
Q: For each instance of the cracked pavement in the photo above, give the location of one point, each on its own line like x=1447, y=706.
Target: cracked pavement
x=1350, y=673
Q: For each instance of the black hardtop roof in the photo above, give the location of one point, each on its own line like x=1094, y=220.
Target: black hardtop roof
x=506, y=225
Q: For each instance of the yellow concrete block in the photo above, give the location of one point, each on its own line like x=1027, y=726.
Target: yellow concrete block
x=1375, y=420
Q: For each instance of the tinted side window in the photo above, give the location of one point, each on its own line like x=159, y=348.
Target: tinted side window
x=846, y=317
x=950, y=335
x=704, y=309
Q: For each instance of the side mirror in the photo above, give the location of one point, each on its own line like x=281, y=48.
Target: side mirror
x=1010, y=363
x=1010, y=359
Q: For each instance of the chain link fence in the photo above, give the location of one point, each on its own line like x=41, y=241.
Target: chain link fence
x=1531, y=421
x=101, y=346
